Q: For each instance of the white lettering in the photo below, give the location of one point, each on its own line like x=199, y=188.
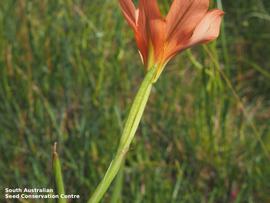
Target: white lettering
x=71, y=196
x=13, y=190
x=7, y=196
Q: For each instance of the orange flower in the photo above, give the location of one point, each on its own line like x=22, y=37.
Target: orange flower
x=160, y=38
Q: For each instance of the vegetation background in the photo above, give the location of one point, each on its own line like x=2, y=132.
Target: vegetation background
x=69, y=70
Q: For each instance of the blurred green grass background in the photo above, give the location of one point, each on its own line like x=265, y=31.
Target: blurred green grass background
x=69, y=71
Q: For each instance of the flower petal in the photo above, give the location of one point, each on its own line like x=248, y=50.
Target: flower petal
x=149, y=33
x=158, y=34
x=183, y=17
x=141, y=33
x=142, y=46
x=151, y=9
x=155, y=26
x=129, y=12
x=208, y=29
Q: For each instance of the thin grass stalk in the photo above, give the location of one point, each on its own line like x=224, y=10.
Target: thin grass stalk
x=58, y=176
x=118, y=186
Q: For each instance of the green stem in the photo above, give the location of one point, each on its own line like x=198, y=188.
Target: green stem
x=58, y=176
x=130, y=128
x=118, y=185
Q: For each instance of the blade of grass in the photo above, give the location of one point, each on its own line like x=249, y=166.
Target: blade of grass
x=117, y=190
x=116, y=196
x=58, y=175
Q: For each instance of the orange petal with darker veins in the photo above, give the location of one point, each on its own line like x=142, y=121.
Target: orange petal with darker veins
x=158, y=35
x=156, y=25
x=129, y=12
x=208, y=29
x=151, y=9
x=183, y=16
